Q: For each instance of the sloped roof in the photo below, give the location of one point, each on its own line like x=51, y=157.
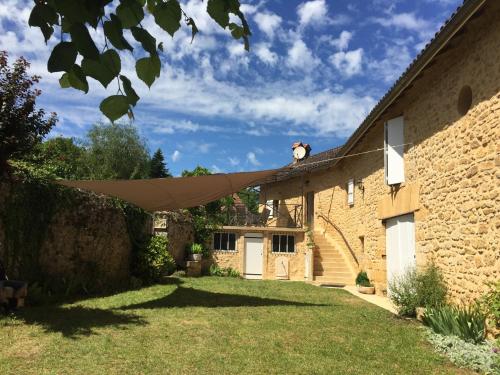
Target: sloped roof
x=331, y=157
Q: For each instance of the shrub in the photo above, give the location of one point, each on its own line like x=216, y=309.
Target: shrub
x=362, y=279
x=481, y=357
x=154, y=261
x=431, y=289
x=403, y=293
x=491, y=304
x=414, y=289
x=468, y=323
x=215, y=270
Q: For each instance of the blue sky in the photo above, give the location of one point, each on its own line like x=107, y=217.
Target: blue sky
x=315, y=69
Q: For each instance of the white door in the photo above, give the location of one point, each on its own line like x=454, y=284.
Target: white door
x=254, y=251
x=400, y=245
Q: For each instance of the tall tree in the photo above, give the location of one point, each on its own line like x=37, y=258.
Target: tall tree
x=22, y=126
x=158, y=166
x=116, y=151
x=71, y=20
x=58, y=157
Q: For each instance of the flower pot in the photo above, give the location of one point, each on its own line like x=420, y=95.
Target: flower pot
x=366, y=289
x=195, y=256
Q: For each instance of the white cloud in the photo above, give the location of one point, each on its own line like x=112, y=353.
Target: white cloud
x=342, y=42
x=252, y=159
x=234, y=161
x=407, y=21
x=314, y=11
x=348, y=63
x=235, y=49
x=176, y=155
x=396, y=59
x=268, y=23
x=301, y=57
x=265, y=54
x=216, y=169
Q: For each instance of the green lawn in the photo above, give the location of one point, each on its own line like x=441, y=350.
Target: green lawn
x=216, y=326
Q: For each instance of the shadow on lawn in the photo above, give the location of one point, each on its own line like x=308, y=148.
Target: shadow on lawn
x=76, y=321
x=189, y=297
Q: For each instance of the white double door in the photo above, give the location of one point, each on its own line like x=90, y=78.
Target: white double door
x=400, y=245
x=254, y=255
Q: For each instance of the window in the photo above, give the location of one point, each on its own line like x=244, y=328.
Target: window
x=225, y=241
x=270, y=207
x=273, y=207
x=350, y=192
x=283, y=243
x=394, y=151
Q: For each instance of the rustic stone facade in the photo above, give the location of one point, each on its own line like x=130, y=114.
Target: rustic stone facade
x=235, y=259
x=451, y=166
x=177, y=226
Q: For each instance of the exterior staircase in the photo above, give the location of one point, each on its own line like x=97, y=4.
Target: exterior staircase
x=330, y=266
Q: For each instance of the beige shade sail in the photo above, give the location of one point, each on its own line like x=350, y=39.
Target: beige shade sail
x=164, y=194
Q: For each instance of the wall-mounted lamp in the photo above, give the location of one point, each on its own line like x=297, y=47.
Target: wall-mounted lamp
x=360, y=185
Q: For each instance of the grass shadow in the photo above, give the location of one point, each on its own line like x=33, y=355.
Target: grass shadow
x=190, y=297
x=76, y=321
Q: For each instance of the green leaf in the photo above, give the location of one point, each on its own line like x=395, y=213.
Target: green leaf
x=160, y=46
x=219, y=11
x=130, y=13
x=114, y=107
x=64, y=81
x=236, y=31
x=44, y=16
x=77, y=79
x=74, y=10
x=148, y=69
x=129, y=91
x=151, y=5
x=62, y=58
x=105, y=69
x=168, y=16
x=114, y=32
x=142, y=36
x=83, y=42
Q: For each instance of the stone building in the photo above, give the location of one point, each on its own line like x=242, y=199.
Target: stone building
x=417, y=182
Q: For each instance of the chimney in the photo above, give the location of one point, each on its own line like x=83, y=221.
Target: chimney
x=300, y=151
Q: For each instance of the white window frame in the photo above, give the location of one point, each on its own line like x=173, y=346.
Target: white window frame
x=394, y=166
x=228, y=242
x=350, y=192
x=287, y=238
x=270, y=206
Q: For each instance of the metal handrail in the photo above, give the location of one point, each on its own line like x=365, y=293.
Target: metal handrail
x=353, y=254
x=238, y=214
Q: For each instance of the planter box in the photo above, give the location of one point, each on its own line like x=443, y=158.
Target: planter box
x=366, y=289
x=196, y=257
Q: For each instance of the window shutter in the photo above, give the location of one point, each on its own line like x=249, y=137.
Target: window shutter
x=350, y=192
x=270, y=207
x=394, y=151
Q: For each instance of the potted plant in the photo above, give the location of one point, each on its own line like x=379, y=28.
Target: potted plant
x=195, y=251
x=363, y=283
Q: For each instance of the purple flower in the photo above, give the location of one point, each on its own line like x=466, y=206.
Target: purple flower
x=496, y=350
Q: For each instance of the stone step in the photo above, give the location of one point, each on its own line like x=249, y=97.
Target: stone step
x=333, y=280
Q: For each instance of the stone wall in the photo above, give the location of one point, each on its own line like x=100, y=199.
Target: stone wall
x=82, y=238
x=177, y=226
x=235, y=259
x=452, y=161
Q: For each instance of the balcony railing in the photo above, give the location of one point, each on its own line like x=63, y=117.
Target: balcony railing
x=277, y=216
